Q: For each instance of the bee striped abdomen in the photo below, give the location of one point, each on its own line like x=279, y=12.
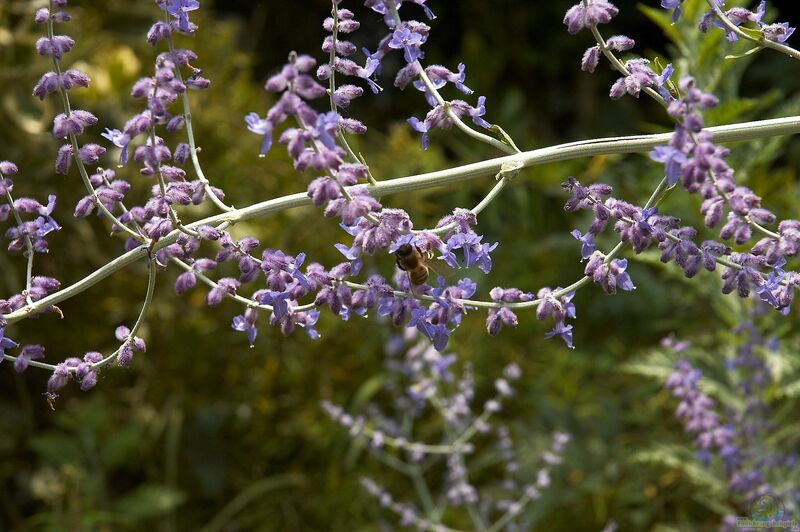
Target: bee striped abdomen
x=411, y=260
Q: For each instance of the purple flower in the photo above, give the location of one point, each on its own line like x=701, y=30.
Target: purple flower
x=325, y=128
x=610, y=276
x=438, y=334
x=697, y=409
x=120, y=140
x=746, y=276
x=477, y=112
x=352, y=254
x=640, y=76
x=672, y=159
x=226, y=285
x=180, y=9
x=675, y=5
x=260, y=126
x=557, y=308
x=344, y=94
x=350, y=211
x=5, y=342
x=371, y=66
x=562, y=330
x=57, y=380
x=585, y=198
x=620, y=43
x=597, y=12
x=587, y=243
x=405, y=38
x=339, y=299
x=663, y=78
x=55, y=47
x=421, y=127
x=499, y=317
x=130, y=345
x=307, y=320
x=72, y=124
x=640, y=234
x=277, y=300
x=441, y=117
x=322, y=190
x=439, y=76
x=46, y=222
x=739, y=15
x=475, y=253
x=281, y=269
x=187, y=280
x=448, y=307
x=675, y=345
x=47, y=84
x=591, y=58
x=736, y=15
x=90, y=153
x=27, y=353
x=247, y=323
x=617, y=270
x=779, y=32
x=766, y=290
x=158, y=32
x=7, y=168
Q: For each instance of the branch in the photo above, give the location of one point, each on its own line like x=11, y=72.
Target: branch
x=564, y=152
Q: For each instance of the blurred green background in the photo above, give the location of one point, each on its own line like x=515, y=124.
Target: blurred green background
x=204, y=431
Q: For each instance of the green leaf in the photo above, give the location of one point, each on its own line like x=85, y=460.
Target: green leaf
x=150, y=500
x=677, y=457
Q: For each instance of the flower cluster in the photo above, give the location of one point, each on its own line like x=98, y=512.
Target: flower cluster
x=28, y=236
x=317, y=143
x=157, y=217
x=33, y=222
x=425, y=381
x=638, y=75
x=105, y=191
x=751, y=467
x=589, y=15
x=777, y=32
x=292, y=289
x=693, y=159
x=72, y=122
x=699, y=164
x=640, y=227
x=697, y=412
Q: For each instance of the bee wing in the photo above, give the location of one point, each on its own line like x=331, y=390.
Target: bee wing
x=442, y=269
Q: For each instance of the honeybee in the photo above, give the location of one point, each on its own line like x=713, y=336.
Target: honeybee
x=413, y=261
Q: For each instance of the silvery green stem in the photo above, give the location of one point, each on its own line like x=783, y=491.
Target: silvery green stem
x=246, y=301
x=472, y=510
x=148, y=298
x=187, y=115
x=563, y=152
x=656, y=96
x=28, y=246
x=332, y=89
x=75, y=147
x=441, y=101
